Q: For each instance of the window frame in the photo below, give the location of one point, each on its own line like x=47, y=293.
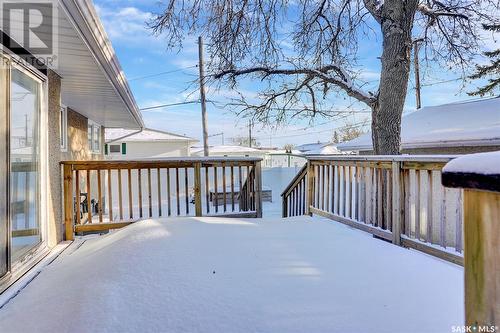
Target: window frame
x=93, y=133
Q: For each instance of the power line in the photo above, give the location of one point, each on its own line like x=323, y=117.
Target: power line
x=440, y=82
x=162, y=73
x=167, y=105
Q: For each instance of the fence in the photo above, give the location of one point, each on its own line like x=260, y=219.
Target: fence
x=112, y=194
x=396, y=198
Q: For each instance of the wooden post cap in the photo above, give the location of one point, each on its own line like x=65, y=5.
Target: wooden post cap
x=475, y=171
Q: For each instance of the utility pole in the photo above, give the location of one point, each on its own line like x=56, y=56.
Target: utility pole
x=417, y=72
x=250, y=133
x=202, y=96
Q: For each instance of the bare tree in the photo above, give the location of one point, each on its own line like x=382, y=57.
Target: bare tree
x=303, y=50
x=288, y=147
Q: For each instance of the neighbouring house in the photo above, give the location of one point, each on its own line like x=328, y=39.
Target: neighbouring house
x=230, y=151
x=146, y=143
x=456, y=128
x=51, y=113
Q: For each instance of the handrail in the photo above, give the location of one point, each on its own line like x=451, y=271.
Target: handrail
x=294, y=196
x=102, y=195
x=294, y=180
x=397, y=198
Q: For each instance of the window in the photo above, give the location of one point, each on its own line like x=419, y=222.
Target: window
x=63, y=128
x=114, y=148
x=94, y=136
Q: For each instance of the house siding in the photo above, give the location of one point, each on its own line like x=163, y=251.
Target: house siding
x=77, y=149
x=137, y=150
x=55, y=221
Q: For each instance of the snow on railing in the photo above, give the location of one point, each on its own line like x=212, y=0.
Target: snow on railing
x=396, y=198
x=112, y=194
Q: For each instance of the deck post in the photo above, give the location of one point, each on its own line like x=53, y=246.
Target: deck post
x=68, y=201
x=481, y=257
x=310, y=187
x=197, y=189
x=396, y=206
x=481, y=236
x=258, y=189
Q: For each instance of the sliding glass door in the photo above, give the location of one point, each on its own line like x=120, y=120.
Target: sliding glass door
x=4, y=176
x=24, y=163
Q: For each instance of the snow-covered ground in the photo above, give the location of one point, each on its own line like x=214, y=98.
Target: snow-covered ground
x=239, y=275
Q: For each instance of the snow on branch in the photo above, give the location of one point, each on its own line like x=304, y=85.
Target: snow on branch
x=332, y=74
x=442, y=11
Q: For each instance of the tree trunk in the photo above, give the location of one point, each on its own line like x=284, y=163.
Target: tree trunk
x=397, y=22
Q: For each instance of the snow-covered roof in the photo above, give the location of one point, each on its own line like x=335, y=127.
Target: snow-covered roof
x=329, y=149
x=450, y=125
x=311, y=146
x=226, y=149
x=284, y=151
x=146, y=135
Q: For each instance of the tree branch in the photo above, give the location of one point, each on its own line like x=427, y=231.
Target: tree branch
x=445, y=11
x=375, y=8
x=340, y=78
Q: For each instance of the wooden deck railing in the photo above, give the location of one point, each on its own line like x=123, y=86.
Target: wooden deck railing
x=102, y=195
x=396, y=198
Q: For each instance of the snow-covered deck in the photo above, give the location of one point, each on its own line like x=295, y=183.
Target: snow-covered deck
x=239, y=275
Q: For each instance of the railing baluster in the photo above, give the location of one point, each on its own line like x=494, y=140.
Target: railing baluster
x=240, y=188
x=89, y=199
x=430, y=217
x=99, y=193
x=158, y=181
x=150, y=194
x=139, y=180
x=169, y=208
x=380, y=208
x=322, y=187
x=215, y=199
x=408, y=202
x=78, y=197
x=120, y=203
x=110, y=197
x=186, y=189
x=130, y=206
x=178, y=202
x=207, y=190
x=224, y=190
x=359, y=189
x=327, y=166
x=348, y=191
x=197, y=189
x=232, y=187
x=68, y=201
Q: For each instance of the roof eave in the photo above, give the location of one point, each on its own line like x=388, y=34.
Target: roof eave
x=89, y=26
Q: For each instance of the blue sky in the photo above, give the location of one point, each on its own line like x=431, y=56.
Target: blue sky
x=142, y=54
